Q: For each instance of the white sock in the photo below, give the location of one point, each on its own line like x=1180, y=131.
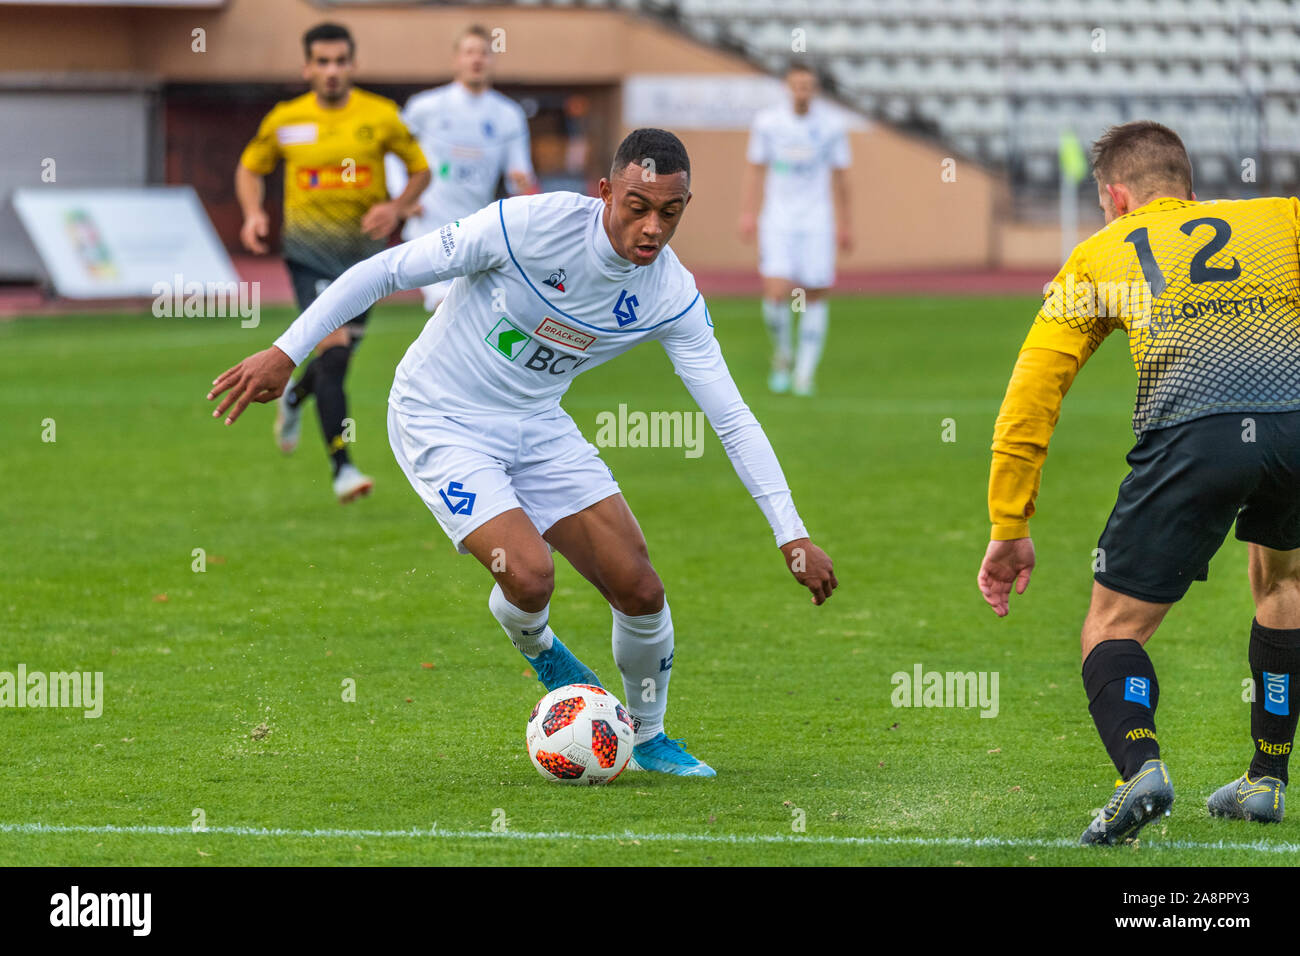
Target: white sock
x=812, y=337
x=643, y=651
x=529, y=631
x=779, y=322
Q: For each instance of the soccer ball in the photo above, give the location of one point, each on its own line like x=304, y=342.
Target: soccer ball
x=580, y=734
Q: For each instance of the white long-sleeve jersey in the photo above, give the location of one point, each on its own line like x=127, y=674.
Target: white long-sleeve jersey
x=799, y=153
x=541, y=296
x=471, y=140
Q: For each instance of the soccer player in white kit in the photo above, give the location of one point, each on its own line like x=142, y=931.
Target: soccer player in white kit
x=476, y=424
x=472, y=136
x=803, y=148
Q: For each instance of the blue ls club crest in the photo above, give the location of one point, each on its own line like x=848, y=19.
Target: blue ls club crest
x=464, y=500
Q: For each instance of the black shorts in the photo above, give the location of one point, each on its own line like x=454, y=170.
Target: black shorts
x=1188, y=484
x=308, y=283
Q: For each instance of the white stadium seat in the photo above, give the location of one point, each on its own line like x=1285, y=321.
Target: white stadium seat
x=999, y=78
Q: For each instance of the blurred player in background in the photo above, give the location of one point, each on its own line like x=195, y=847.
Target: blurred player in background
x=1208, y=295
x=472, y=136
x=336, y=213
x=476, y=424
x=803, y=148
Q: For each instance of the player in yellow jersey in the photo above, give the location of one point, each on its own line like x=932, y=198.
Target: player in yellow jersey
x=336, y=213
x=1208, y=294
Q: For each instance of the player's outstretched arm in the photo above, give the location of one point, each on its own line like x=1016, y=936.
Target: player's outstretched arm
x=1064, y=333
x=263, y=377
x=474, y=244
x=259, y=378
x=697, y=358
x=1005, y=563
x=459, y=248
x=751, y=454
x=811, y=567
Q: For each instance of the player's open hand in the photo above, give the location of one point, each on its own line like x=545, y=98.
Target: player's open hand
x=258, y=378
x=256, y=228
x=811, y=567
x=380, y=220
x=1005, y=563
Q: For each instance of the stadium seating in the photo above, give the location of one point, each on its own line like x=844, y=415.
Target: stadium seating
x=998, y=80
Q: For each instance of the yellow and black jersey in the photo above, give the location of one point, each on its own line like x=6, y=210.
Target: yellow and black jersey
x=333, y=172
x=1209, y=296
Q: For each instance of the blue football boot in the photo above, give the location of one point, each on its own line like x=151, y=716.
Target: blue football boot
x=665, y=755
x=557, y=667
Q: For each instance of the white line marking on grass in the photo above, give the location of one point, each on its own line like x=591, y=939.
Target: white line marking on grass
x=433, y=833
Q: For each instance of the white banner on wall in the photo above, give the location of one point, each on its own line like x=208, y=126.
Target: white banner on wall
x=119, y=243
x=712, y=101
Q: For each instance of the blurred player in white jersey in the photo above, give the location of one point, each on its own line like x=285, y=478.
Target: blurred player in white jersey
x=476, y=424
x=803, y=148
x=472, y=136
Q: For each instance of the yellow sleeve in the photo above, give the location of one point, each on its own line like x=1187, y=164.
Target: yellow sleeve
x=263, y=150
x=1065, y=333
x=1024, y=427
x=406, y=146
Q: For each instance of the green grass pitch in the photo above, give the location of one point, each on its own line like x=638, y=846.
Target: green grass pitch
x=791, y=703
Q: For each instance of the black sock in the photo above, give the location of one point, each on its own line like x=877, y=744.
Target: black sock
x=1274, y=663
x=303, y=387
x=331, y=403
x=1122, y=696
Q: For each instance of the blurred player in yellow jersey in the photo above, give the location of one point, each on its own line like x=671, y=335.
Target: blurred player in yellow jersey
x=1208, y=294
x=336, y=213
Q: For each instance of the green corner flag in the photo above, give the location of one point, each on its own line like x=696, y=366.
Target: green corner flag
x=1074, y=164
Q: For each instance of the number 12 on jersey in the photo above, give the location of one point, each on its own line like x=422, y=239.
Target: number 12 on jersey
x=1200, y=270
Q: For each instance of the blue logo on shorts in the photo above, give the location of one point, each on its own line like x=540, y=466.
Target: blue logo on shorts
x=1138, y=690
x=464, y=504
x=1277, y=693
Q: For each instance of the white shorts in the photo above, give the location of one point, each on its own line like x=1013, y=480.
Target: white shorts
x=805, y=257
x=468, y=470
